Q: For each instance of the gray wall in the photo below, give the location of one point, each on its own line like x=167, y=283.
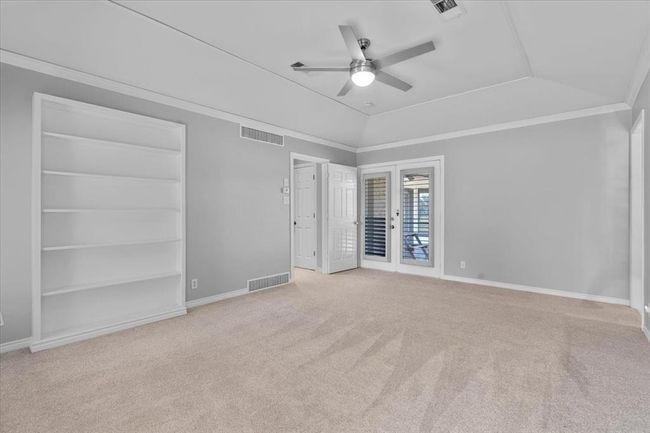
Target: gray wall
x=543, y=206
x=643, y=102
x=237, y=226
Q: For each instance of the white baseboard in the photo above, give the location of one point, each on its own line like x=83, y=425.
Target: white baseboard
x=215, y=298
x=10, y=346
x=552, y=292
x=46, y=344
x=49, y=343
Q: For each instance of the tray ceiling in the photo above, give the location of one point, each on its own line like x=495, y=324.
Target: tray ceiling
x=499, y=62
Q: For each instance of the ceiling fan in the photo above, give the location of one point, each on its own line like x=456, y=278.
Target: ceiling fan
x=363, y=70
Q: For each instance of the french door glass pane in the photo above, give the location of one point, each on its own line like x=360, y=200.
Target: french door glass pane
x=416, y=216
x=376, y=216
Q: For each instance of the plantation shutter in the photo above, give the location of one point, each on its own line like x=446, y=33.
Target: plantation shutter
x=377, y=216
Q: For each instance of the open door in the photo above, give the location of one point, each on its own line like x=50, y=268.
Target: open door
x=342, y=221
x=305, y=222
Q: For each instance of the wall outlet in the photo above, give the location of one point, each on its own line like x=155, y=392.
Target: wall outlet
x=463, y=265
x=2, y=322
x=195, y=283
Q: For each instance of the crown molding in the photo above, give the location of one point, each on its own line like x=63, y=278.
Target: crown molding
x=604, y=109
x=63, y=72
x=640, y=73
x=44, y=67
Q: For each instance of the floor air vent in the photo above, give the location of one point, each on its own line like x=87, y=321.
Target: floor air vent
x=267, y=282
x=258, y=135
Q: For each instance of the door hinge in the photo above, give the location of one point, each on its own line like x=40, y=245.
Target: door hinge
x=314, y=214
x=314, y=253
x=314, y=176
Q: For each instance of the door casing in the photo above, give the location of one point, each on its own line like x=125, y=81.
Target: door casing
x=293, y=156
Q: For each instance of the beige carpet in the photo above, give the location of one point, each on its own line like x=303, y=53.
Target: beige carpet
x=361, y=351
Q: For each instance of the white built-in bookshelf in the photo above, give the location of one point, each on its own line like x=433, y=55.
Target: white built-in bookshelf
x=108, y=220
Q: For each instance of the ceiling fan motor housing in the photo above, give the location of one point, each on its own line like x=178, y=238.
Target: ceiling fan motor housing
x=361, y=66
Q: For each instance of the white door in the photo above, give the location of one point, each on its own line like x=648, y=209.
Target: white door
x=305, y=217
x=342, y=221
x=636, y=215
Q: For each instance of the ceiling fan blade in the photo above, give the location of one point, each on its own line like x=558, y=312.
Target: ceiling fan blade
x=392, y=81
x=350, y=40
x=322, y=69
x=346, y=88
x=406, y=54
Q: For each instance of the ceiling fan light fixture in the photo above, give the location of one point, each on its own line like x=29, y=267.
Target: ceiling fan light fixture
x=362, y=73
x=363, y=78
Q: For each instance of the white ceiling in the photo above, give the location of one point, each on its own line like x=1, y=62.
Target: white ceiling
x=276, y=34
x=499, y=62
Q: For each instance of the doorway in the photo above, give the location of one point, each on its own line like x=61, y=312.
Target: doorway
x=402, y=216
x=335, y=214
x=637, y=234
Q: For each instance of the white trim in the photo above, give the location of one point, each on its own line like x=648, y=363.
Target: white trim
x=646, y=331
x=10, y=346
x=640, y=73
x=638, y=129
x=325, y=265
x=52, y=69
x=216, y=298
x=37, y=113
x=55, y=70
x=540, y=290
x=424, y=159
x=604, y=109
x=48, y=343
x=182, y=223
x=324, y=247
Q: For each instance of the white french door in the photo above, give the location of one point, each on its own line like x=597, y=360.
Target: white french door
x=304, y=224
x=342, y=220
x=402, y=217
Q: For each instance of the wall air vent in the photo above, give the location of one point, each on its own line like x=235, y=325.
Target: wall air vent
x=268, y=281
x=258, y=135
x=448, y=9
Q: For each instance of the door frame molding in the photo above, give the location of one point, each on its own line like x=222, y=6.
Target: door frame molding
x=387, y=165
x=323, y=216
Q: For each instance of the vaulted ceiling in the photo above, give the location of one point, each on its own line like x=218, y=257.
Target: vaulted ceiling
x=498, y=62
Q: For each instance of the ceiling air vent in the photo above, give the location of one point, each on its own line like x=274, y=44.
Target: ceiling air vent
x=448, y=9
x=266, y=137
